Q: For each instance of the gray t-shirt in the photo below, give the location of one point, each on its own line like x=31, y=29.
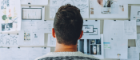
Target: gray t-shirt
x=67, y=56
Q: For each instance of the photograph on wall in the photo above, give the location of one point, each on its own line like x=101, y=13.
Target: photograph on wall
x=7, y=27
x=109, y=7
x=27, y=37
x=10, y=15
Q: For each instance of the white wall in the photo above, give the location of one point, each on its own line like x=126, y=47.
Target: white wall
x=102, y=23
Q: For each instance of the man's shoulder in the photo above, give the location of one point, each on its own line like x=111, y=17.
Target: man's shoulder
x=67, y=56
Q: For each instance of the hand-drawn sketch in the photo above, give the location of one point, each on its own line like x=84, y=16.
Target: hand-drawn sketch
x=10, y=15
x=64, y=2
x=130, y=29
x=8, y=40
x=53, y=11
x=81, y=4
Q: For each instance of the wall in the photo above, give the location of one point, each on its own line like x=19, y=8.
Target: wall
x=102, y=24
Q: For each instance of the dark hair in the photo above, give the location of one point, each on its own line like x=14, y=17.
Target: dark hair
x=68, y=24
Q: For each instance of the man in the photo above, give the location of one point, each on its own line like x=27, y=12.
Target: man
x=67, y=30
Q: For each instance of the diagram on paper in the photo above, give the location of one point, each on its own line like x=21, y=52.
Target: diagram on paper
x=81, y=4
x=91, y=29
x=32, y=38
x=10, y=15
x=8, y=40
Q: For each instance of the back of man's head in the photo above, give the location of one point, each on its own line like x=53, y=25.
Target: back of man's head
x=68, y=24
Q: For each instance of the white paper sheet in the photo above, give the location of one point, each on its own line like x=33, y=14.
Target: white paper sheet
x=9, y=40
x=132, y=54
x=81, y=4
x=135, y=14
x=51, y=41
x=31, y=38
x=10, y=13
x=91, y=29
x=114, y=33
x=130, y=29
x=22, y=53
x=31, y=35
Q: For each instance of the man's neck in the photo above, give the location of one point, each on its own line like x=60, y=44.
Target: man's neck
x=65, y=48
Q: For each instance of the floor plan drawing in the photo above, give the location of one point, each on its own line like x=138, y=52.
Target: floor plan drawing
x=81, y=4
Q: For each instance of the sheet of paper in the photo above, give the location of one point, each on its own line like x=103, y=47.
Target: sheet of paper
x=109, y=9
x=9, y=40
x=132, y=54
x=22, y=53
x=51, y=41
x=135, y=14
x=31, y=35
x=83, y=5
x=138, y=43
x=34, y=2
x=10, y=13
x=91, y=29
x=130, y=29
x=114, y=33
x=31, y=38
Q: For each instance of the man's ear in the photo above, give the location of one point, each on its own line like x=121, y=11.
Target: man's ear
x=81, y=35
x=53, y=33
